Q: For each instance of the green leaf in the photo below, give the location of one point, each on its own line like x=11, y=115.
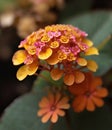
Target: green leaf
x=100, y=119
x=22, y=113
x=44, y=80
x=73, y=7
x=98, y=26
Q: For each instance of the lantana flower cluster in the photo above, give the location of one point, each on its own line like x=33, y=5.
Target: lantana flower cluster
x=61, y=45
x=62, y=50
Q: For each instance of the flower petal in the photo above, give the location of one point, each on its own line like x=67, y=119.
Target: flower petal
x=42, y=111
x=64, y=106
x=102, y=92
x=91, y=51
x=90, y=105
x=92, y=65
x=53, y=59
x=46, y=117
x=79, y=103
x=44, y=102
x=60, y=112
x=97, y=101
x=69, y=79
x=79, y=77
x=54, y=117
x=77, y=89
x=22, y=72
x=63, y=103
x=56, y=73
x=63, y=100
x=19, y=57
x=81, y=88
x=82, y=61
x=88, y=42
x=96, y=83
x=32, y=68
x=45, y=54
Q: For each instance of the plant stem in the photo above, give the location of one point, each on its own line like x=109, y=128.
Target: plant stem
x=45, y=78
x=44, y=67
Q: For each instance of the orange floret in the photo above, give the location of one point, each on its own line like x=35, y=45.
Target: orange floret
x=88, y=94
x=53, y=106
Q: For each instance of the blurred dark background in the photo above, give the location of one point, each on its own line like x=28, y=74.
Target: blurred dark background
x=10, y=87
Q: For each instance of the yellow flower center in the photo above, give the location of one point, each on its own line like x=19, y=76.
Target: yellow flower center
x=71, y=57
x=45, y=38
x=62, y=56
x=64, y=39
x=54, y=44
x=53, y=107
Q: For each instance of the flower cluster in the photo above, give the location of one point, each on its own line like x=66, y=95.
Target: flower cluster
x=61, y=45
x=62, y=50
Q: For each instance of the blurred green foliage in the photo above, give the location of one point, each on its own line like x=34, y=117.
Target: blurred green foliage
x=6, y=4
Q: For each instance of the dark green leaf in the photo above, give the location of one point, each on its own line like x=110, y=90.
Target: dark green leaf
x=22, y=113
x=73, y=7
x=45, y=80
x=100, y=119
